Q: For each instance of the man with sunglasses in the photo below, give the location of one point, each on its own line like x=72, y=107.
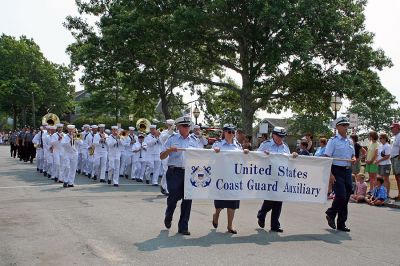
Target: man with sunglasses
x=275, y=145
x=340, y=146
x=176, y=173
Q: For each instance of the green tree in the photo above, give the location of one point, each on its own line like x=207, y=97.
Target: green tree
x=28, y=81
x=289, y=54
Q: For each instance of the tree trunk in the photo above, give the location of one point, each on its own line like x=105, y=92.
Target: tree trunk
x=246, y=102
x=14, y=119
x=164, y=101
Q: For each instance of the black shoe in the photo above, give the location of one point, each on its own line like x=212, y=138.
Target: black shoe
x=147, y=182
x=108, y=182
x=71, y=185
x=155, y=185
x=331, y=222
x=167, y=223
x=49, y=176
x=116, y=185
x=79, y=171
x=95, y=178
x=126, y=176
x=278, y=230
x=163, y=191
x=139, y=180
x=261, y=223
x=41, y=171
x=232, y=231
x=343, y=228
x=167, y=194
x=37, y=169
x=121, y=176
x=56, y=179
x=59, y=181
x=184, y=232
x=215, y=225
x=102, y=180
x=65, y=185
x=45, y=174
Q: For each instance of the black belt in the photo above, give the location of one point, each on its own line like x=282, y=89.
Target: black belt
x=175, y=167
x=343, y=167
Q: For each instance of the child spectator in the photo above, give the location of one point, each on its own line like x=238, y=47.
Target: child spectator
x=361, y=189
x=379, y=194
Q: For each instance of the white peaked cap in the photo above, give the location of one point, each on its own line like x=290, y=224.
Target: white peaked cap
x=114, y=127
x=153, y=126
x=95, y=126
x=102, y=125
x=59, y=125
x=71, y=126
x=131, y=128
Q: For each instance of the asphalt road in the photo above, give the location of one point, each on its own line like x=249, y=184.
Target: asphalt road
x=96, y=224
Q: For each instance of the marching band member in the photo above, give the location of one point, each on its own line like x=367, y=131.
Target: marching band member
x=48, y=151
x=126, y=164
x=154, y=147
x=176, y=174
x=201, y=140
x=83, y=162
x=139, y=158
x=275, y=145
x=38, y=142
x=71, y=149
x=57, y=151
x=91, y=148
x=227, y=144
x=100, y=153
x=115, y=148
x=165, y=134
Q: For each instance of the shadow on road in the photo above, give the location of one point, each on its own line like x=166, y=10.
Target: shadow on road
x=262, y=237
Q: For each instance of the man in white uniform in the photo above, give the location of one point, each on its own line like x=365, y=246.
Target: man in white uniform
x=115, y=148
x=154, y=147
x=126, y=163
x=83, y=162
x=100, y=153
x=89, y=140
x=48, y=151
x=38, y=142
x=165, y=134
x=57, y=151
x=140, y=158
x=71, y=146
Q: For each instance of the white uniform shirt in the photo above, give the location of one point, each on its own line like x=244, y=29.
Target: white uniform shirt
x=115, y=146
x=56, y=142
x=71, y=146
x=396, y=146
x=139, y=151
x=99, y=144
x=154, y=145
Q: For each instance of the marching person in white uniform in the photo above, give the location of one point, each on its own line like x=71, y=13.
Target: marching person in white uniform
x=100, y=153
x=154, y=147
x=71, y=149
x=57, y=151
x=140, y=157
x=38, y=142
x=165, y=134
x=89, y=140
x=126, y=164
x=115, y=148
x=201, y=140
x=83, y=162
x=48, y=151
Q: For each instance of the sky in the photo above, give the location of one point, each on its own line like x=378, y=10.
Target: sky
x=42, y=20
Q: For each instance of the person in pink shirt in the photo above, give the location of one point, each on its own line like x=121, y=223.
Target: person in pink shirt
x=360, y=191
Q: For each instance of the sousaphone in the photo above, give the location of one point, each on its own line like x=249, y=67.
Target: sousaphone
x=143, y=125
x=50, y=119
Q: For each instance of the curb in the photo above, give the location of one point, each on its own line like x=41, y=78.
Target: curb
x=392, y=204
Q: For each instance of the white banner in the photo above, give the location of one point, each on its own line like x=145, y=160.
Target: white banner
x=233, y=175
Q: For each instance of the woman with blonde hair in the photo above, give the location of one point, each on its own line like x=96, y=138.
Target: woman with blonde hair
x=370, y=167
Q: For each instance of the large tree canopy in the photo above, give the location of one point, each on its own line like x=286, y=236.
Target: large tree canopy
x=27, y=78
x=288, y=54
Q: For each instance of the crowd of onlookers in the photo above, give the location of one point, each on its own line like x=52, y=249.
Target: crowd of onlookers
x=374, y=164
x=4, y=136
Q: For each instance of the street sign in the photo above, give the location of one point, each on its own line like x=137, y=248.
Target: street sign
x=353, y=119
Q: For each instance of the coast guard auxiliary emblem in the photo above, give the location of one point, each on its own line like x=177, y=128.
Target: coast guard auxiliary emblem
x=200, y=176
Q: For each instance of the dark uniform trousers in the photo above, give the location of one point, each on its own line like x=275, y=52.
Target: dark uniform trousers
x=276, y=207
x=175, y=183
x=13, y=149
x=342, y=188
x=30, y=151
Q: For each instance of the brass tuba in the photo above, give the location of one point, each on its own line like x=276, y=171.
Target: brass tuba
x=50, y=119
x=143, y=125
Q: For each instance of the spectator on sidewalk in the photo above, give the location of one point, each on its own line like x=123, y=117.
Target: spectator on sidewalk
x=322, y=146
x=372, y=154
x=383, y=160
x=394, y=155
x=361, y=189
x=358, y=152
x=303, y=148
x=379, y=194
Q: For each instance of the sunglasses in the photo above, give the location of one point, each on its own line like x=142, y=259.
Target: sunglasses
x=230, y=131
